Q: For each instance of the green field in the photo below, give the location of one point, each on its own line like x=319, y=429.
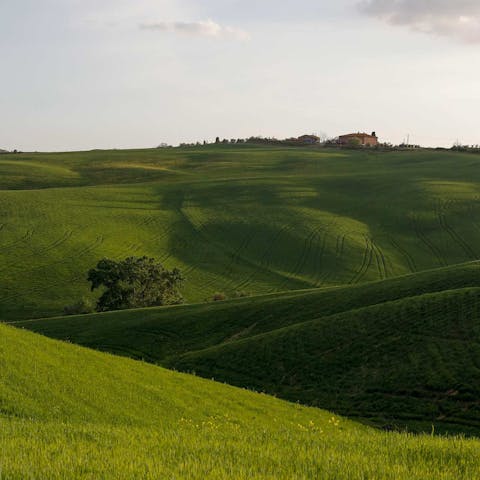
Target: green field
x=363, y=281
x=400, y=353
x=233, y=218
x=67, y=412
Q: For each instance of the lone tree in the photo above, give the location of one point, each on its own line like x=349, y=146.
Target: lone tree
x=135, y=283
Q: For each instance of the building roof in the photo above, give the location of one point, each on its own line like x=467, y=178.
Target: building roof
x=358, y=135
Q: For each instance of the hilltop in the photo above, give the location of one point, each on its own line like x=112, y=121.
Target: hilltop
x=70, y=412
x=397, y=353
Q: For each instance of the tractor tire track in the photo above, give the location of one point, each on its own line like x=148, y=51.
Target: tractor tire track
x=318, y=253
x=66, y=236
x=235, y=259
x=266, y=257
x=46, y=286
x=408, y=258
x=380, y=260
x=28, y=235
x=321, y=276
x=430, y=246
x=304, y=254
x=340, y=246
x=443, y=222
x=366, y=263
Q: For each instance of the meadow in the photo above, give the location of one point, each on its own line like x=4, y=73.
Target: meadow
x=118, y=418
x=361, y=275
x=240, y=218
x=400, y=354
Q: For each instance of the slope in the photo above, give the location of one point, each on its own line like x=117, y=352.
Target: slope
x=399, y=352
x=66, y=412
x=156, y=333
x=411, y=363
x=233, y=218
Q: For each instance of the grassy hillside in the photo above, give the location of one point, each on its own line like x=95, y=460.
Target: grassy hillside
x=256, y=219
x=66, y=412
x=414, y=362
x=404, y=351
x=155, y=334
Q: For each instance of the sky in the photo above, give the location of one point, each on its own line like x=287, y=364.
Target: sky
x=84, y=74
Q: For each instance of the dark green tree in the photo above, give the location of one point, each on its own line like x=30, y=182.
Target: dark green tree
x=135, y=283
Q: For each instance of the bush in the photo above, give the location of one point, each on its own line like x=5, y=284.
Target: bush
x=219, y=297
x=82, y=307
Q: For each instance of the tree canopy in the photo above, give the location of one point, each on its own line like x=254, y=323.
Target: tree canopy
x=135, y=282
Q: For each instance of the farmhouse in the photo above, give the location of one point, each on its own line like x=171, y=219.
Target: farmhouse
x=365, y=139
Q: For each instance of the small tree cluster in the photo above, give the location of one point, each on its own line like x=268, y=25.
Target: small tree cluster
x=458, y=147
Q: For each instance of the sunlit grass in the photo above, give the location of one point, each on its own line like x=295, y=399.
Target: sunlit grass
x=398, y=353
x=67, y=412
x=233, y=218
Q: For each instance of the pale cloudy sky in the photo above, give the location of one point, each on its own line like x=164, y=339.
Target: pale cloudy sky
x=81, y=74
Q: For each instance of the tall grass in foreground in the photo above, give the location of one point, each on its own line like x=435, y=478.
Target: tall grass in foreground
x=70, y=413
x=223, y=447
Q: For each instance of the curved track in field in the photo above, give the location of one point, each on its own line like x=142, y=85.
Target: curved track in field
x=244, y=218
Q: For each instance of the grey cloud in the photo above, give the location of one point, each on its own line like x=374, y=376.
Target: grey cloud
x=207, y=28
x=458, y=19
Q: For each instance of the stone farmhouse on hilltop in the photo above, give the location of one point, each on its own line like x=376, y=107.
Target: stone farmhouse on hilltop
x=365, y=139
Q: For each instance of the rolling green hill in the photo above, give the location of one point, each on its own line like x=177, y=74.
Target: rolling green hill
x=362, y=301
x=400, y=352
x=233, y=218
x=67, y=412
x=414, y=362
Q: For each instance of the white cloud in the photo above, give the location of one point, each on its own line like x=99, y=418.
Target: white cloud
x=459, y=19
x=207, y=28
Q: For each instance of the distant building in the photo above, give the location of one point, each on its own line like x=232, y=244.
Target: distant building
x=365, y=139
x=308, y=139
